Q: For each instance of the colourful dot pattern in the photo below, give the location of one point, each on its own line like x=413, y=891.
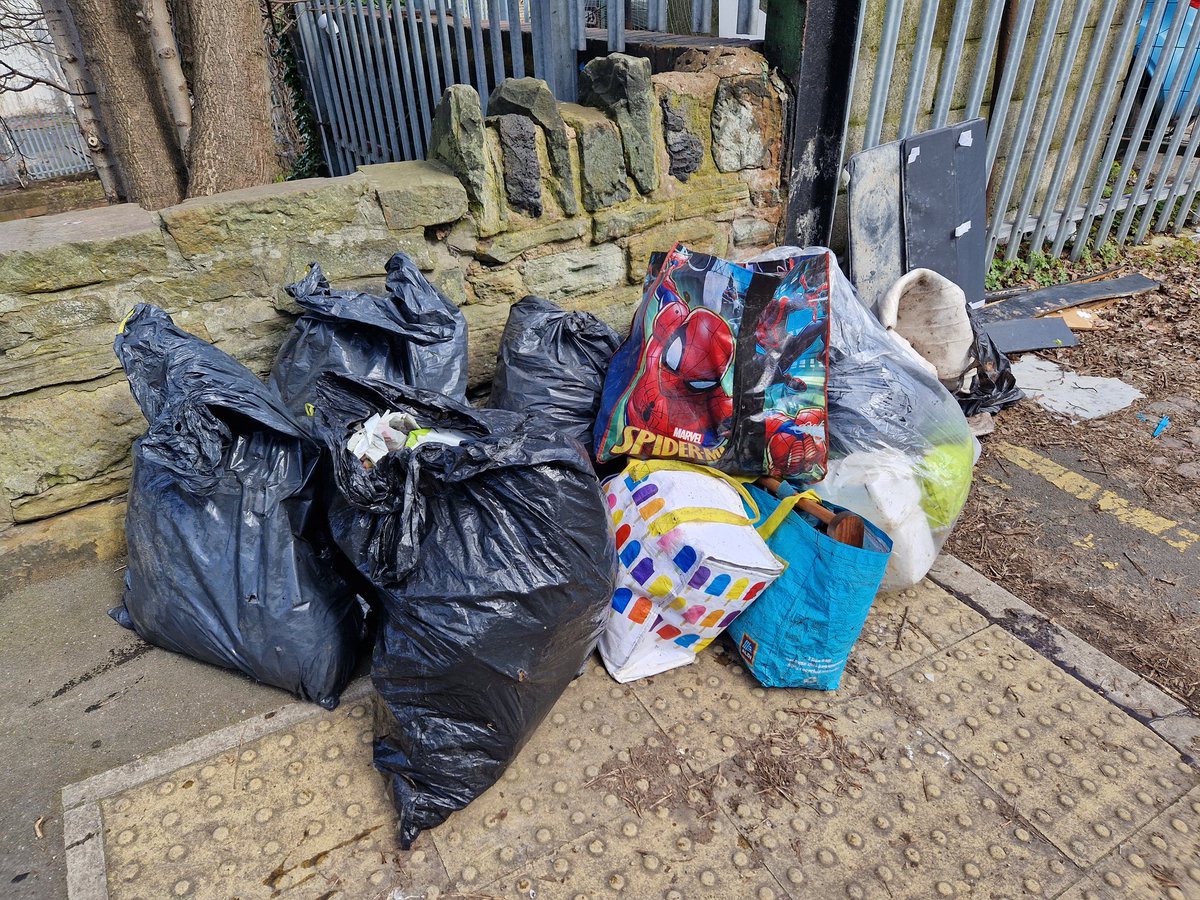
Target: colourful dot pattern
x=658, y=576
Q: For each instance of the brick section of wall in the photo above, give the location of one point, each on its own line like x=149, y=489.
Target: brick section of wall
x=218, y=264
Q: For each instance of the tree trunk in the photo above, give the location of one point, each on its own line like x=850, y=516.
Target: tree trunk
x=166, y=58
x=62, y=30
x=233, y=142
x=131, y=102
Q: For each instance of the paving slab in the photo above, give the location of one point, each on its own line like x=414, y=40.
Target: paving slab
x=955, y=760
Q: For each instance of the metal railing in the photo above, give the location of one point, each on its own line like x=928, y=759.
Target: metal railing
x=39, y=146
x=1091, y=133
x=377, y=68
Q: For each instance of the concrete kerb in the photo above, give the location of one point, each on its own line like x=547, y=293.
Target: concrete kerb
x=1162, y=713
x=83, y=832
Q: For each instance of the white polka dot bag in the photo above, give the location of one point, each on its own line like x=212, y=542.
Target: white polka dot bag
x=691, y=562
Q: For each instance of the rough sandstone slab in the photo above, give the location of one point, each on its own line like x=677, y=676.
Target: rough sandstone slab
x=93, y=246
x=700, y=235
x=574, y=273
x=458, y=141
x=629, y=218
x=510, y=245
x=747, y=122
x=416, y=194
x=621, y=86
x=262, y=216
x=601, y=156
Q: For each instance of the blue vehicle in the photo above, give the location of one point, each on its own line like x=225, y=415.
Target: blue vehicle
x=1173, y=59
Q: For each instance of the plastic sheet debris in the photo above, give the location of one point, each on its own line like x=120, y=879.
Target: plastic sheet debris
x=229, y=559
x=1078, y=396
x=493, y=567
x=552, y=363
x=384, y=433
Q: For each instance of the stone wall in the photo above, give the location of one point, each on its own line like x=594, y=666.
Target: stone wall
x=562, y=200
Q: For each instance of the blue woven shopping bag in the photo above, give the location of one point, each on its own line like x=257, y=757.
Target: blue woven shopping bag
x=801, y=629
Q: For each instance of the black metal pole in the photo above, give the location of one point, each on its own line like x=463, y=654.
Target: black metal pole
x=819, y=66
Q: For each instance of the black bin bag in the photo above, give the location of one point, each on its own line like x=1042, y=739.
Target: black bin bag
x=229, y=556
x=493, y=570
x=552, y=363
x=413, y=335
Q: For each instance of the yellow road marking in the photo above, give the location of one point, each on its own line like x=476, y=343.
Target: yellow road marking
x=1106, y=501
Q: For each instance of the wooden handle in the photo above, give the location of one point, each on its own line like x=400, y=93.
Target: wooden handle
x=844, y=527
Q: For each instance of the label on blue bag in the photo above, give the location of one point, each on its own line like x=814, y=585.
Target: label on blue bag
x=748, y=647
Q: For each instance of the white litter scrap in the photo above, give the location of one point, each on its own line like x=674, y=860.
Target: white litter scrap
x=1063, y=391
x=387, y=432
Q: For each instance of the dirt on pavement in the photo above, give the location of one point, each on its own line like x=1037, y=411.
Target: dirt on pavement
x=1100, y=559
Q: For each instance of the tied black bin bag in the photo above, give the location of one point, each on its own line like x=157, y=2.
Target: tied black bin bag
x=414, y=335
x=493, y=568
x=224, y=525
x=552, y=363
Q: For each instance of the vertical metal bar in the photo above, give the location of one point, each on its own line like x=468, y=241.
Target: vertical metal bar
x=1083, y=96
x=384, y=65
x=983, y=62
x=481, y=82
x=344, y=83
x=447, y=57
x=1100, y=120
x=883, y=73
x=496, y=38
x=1012, y=67
x=516, y=39
x=745, y=16
x=696, y=16
x=412, y=114
x=340, y=115
x=920, y=62
x=1185, y=211
x=953, y=56
x=581, y=26
x=1143, y=120
x=1164, y=119
x=652, y=18
x=540, y=29
x=1029, y=104
x=349, y=30
x=610, y=19
x=368, y=75
x=1049, y=125
x=706, y=17
x=1179, y=179
x=316, y=84
x=431, y=52
x=460, y=42
x=1189, y=156
x=421, y=69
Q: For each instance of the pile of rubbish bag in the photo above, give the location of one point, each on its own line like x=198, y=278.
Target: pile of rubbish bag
x=759, y=457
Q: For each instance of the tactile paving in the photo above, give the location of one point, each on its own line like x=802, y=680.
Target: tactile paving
x=550, y=794
x=1161, y=860
x=905, y=626
x=673, y=852
x=300, y=813
x=707, y=708
x=1085, y=773
x=860, y=803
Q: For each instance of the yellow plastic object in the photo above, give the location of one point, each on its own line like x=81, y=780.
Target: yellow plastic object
x=945, y=479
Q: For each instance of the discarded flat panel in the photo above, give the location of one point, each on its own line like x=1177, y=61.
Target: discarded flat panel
x=943, y=180
x=876, y=226
x=1062, y=296
x=1018, y=335
x=1063, y=391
